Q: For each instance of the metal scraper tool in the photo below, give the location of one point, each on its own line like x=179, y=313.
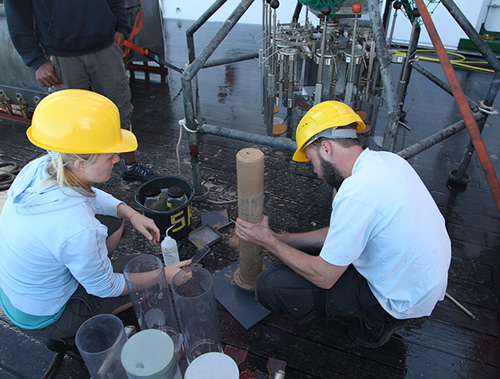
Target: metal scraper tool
x=198, y=256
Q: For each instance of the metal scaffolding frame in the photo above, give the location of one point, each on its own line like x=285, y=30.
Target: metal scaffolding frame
x=473, y=128
x=393, y=97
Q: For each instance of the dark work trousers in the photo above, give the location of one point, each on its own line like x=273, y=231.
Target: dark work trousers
x=283, y=291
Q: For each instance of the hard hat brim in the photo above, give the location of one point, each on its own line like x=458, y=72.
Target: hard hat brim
x=128, y=143
x=300, y=156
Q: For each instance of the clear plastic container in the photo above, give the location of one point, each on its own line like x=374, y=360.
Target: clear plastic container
x=196, y=308
x=100, y=340
x=151, y=299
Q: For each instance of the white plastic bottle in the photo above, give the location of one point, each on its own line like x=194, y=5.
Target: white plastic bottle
x=169, y=249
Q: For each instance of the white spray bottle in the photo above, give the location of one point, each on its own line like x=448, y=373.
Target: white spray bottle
x=169, y=249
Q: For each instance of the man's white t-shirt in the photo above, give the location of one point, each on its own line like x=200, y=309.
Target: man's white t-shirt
x=385, y=223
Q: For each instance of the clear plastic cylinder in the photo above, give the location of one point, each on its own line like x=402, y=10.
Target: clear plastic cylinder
x=100, y=340
x=151, y=298
x=194, y=300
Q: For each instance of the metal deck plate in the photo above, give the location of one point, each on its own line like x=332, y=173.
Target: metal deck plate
x=216, y=219
x=239, y=303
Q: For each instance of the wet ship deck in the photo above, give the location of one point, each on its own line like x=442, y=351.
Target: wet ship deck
x=449, y=343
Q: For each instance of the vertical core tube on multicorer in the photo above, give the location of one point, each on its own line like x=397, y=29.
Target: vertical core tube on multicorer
x=250, y=181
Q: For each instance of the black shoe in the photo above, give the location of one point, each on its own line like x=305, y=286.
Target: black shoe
x=370, y=333
x=138, y=172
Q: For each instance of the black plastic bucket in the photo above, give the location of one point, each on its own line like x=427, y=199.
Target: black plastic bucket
x=179, y=217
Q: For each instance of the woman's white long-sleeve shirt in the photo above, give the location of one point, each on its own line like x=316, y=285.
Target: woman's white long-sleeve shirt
x=50, y=241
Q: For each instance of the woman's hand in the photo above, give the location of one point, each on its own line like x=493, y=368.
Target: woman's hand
x=174, y=268
x=145, y=226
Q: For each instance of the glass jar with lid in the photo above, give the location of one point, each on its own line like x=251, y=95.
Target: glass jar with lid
x=176, y=197
x=155, y=199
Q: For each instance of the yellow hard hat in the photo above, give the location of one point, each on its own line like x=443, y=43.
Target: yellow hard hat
x=79, y=122
x=324, y=116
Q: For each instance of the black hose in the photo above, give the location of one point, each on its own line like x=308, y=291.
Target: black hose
x=51, y=372
x=296, y=13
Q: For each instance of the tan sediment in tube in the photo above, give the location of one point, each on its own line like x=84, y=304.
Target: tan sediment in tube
x=250, y=181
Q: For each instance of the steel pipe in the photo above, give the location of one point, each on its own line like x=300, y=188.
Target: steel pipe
x=434, y=139
x=440, y=83
x=460, y=173
x=228, y=25
x=406, y=72
x=387, y=15
x=197, y=24
x=233, y=59
x=220, y=131
x=191, y=108
x=192, y=137
x=391, y=128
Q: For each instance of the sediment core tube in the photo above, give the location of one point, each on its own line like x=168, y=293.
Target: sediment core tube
x=250, y=181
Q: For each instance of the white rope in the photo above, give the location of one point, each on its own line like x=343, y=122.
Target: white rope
x=486, y=109
x=181, y=124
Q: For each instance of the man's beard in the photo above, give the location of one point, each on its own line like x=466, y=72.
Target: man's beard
x=331, y=174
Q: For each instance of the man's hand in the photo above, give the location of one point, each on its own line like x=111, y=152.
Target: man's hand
x=46, y=76
x=259, y=234
x=119, y=38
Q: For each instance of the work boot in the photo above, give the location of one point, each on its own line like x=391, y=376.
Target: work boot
x=371, y=333
x=138, y=172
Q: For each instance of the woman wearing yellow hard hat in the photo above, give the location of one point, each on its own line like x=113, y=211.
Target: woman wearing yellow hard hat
x=55, y=270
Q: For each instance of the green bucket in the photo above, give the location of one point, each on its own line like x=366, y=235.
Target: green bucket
x=180, y=217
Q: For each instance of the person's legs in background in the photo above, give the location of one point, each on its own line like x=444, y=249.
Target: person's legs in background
x=104, y=72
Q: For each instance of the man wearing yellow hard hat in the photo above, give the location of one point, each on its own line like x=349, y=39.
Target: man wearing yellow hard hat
x=57, y=231
x=384, y=258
